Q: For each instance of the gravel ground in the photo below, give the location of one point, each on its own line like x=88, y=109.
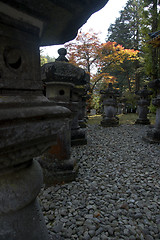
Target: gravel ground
x=116, y=194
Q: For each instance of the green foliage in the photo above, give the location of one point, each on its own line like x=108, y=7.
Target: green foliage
x=129, y=118
x=94, y=120
x=131, y=100
x=95, y=102
x=131, y=29
x=152, y=108
x=45, y=59
x=150, y=23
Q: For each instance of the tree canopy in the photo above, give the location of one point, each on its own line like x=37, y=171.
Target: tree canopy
x=100, y=60
x=103, y=61
x=138, y=19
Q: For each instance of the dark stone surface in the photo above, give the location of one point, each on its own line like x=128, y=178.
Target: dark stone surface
x=63, y=72
x=142, y=121
x=113, y=122
x=109, y=98
x=61, y=18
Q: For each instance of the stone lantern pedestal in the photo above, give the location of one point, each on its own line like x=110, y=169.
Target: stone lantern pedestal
x=109, y=107
x=82, y=103
x=78, y=134
x=143, y=104
x=153, y=134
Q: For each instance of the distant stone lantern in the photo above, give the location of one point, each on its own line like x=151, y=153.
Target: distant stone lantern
x=143, y=104
x=109, y=99
x=153, y=134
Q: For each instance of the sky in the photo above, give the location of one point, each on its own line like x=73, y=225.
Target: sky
x=99, y=22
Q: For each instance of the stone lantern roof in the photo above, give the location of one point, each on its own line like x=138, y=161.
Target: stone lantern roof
x=63, y=71
x=144, y=93
x=58, y=21
x=155, y=84
x=110, y=91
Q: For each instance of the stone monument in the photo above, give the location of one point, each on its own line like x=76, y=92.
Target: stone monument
x=59, y=77
x=29, y=122
x=65, y=84
x=143, y=104
x=109, y=99
x=153, y=134
x=78, y=133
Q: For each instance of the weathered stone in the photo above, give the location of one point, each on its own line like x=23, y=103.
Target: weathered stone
x=143, y=104
x=109, y=107
x=29, y=122
x=65, y=84
x=61, y=19
x=153, y=134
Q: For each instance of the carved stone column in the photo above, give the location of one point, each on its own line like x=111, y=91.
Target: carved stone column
x=82, y=102
x=29, y=124
x=109, y=97
x=153, y=134
x=78, y=134
x=82, y=114
x=143, y=104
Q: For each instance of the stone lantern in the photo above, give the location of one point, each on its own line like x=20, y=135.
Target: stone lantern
x=29, y=125
x=143, y=104
x=109, y=99
x=60, y=78
x=153, y=134
x=82, y=112
x=29, y=122
x=83, y=96
x=65, y=85
x=78, y=134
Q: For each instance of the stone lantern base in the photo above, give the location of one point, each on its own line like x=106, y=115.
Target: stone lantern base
x=152, y=136
x=110, y=122
x=82, y=124
x=78, y=137
x=57, y=163
x=56, y=172
x=142, y=121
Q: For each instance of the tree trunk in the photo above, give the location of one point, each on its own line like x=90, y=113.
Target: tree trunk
x=154, y=50
x=129, y=83
x=137, y=75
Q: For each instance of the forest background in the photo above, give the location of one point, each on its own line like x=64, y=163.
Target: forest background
x=126, y=59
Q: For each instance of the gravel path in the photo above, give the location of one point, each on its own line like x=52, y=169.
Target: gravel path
x=116, y=195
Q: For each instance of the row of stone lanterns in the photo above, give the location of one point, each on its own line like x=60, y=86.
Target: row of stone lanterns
x=109, y=98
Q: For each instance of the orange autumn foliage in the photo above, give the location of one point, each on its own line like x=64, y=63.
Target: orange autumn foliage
x=98, y=58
